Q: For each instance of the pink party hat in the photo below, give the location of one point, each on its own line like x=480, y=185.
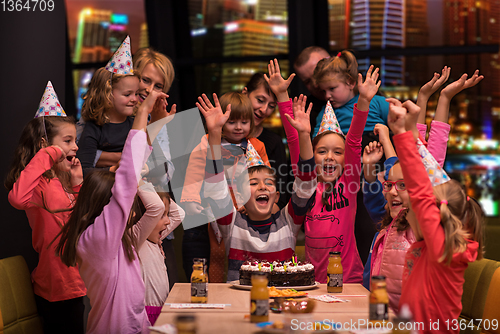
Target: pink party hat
x=329, y=121
x=253, y=158
x=49, y=104
x=436, y=173
x=121, y=62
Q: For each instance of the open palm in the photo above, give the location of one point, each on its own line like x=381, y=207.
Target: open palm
x=214, y=117
x=300, y=120
x=370, y=86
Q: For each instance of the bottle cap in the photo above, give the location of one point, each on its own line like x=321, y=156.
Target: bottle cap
x=379, y=277
x=199, y=259
x=259, y=273
x=334, y=253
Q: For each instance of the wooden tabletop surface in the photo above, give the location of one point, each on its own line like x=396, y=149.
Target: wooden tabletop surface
x=234, y=317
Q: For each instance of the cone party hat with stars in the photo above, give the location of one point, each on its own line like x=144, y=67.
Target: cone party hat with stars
x=121, y=62
x=329, y=121
x=253, y=157
x=49, y=104
x=436, y=173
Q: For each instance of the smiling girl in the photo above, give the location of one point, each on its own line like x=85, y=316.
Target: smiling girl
x=44, y=181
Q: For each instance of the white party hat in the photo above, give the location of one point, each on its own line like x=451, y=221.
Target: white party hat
x=253, y=157
x=49, y=104
x=329, y=121
x=121, y=62
x=436, y=173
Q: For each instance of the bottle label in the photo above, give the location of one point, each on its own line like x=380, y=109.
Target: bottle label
x=379, y=312
x=335, y=280
x=199, y=289
x=259, y=307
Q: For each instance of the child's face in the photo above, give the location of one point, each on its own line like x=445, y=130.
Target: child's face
x=263, y=195
x=155, y=235
x=396, y=199
x=235, y=131
x=151, y=79
x=66, y=140
x=337, y=91
x=263, y=105
x=124, y=98
x=329, y=157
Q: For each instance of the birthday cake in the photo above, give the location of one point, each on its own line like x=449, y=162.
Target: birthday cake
x=286, y=273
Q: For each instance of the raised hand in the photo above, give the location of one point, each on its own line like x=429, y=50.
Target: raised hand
x=433, y=85
x=276, y=82
x=214, y=117
x=193, y=208
x=397, y=116
x=372, y=153
x=63, y=154
x=368, y=88
x=463, y=83
x=76, y=172
x=413, y=112
x=160, y=110
x=300, y=120
x=382, y=132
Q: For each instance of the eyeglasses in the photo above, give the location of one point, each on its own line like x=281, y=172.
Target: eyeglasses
x=400, y=185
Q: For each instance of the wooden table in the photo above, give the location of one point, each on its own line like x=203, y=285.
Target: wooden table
x=235, y=317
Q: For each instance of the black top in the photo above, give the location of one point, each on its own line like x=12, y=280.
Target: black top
x=275, y=150
x=110, y=137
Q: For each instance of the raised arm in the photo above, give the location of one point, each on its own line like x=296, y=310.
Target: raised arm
x=302, y=125
x=423, y=202
x=428, y=89
x=154, y=211
x=22, y=191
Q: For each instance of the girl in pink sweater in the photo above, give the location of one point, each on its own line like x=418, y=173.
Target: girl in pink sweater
x=99, y=239
x=329, y=224
x=448, y=228
x=44, y=181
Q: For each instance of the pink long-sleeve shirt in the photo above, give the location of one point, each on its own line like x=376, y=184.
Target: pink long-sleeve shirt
x=432, y=289
x=331, y=228
x=115, y=286
x=52, y=280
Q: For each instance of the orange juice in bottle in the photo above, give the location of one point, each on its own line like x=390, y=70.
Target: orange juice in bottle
x=334, y=272
x=259, y=298
x=199, y=282
x=379, y=300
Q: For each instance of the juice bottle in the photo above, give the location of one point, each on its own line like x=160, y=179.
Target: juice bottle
x=379, y=300
x=199, y=282
x=259, y=298
x=335, y=276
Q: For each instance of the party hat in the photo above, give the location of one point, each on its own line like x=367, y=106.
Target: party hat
x=121, y=62
x=253, y=158
x=436, y=173
x=49, y=104
x=329, y=121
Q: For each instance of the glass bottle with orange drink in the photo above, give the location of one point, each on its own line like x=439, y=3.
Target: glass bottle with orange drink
x=379, y=300
x=335, y=276
x=199, y=282
x=259, y=298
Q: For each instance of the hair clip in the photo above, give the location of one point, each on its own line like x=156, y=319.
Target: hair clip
x=339, y=54
x=468, y=198
x=444, y=202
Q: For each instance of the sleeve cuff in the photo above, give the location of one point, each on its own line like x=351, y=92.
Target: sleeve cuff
x=441, y=125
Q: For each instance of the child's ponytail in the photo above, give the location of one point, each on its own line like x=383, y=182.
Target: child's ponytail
x=344, y=65
x=474, y=223
x=461, y=218
x=454, y=232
